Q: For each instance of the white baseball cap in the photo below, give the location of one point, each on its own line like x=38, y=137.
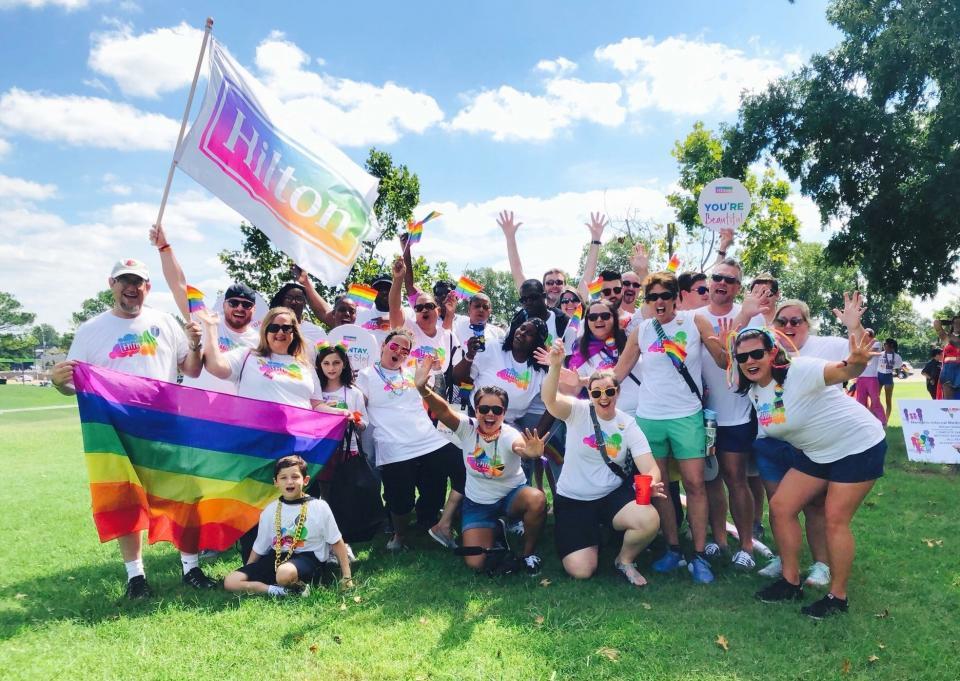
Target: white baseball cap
x=130, y=266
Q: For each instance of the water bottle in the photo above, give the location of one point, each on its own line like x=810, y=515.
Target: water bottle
x=710, y=426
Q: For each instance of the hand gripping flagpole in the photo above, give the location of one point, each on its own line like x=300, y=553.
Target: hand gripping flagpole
x=183, y=123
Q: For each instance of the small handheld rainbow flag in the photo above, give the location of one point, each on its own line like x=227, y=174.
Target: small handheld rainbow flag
x=415, y=229
x=362, y=295
x=577, y=318
x=594, y=287
x=194, y=299
x=466, y=288
x=674, y=263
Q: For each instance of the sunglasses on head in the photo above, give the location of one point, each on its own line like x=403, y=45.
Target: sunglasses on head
x=239, y=302
x=531, y=298
x=609, y=392
x=611, y=291
x=569, y=301
x=494, y=409
x=594, y=316
x=554, y=282
x=793, y=321
x=420, y=307
x=725, y=279
x=399, y=349
x=654, y=297
x=632, y=284
x=753, y=354
x=276, y=328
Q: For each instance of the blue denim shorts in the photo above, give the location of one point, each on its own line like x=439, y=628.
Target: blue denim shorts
x=861, y=467
x=476, y=515
x=774, y=458
x=884, y=379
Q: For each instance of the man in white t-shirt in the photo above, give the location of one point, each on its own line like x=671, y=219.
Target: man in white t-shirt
x=144, y=342
x=479, y=308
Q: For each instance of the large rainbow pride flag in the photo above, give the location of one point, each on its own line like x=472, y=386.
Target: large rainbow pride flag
x=192, y=467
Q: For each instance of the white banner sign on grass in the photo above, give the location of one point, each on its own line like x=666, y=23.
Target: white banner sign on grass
x=931, y=429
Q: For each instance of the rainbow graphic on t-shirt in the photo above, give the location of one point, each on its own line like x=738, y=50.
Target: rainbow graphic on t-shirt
x=675, y=348
x=225, y=344
x=377, y=324
x=133, y=344
x=271, y=369
x=768, y=414
x=286, y=541
x=481, y=463
x=611, y=442
x=422, y=351
x=511, y=376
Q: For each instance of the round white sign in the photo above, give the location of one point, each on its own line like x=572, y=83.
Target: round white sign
x=362, y=348
x=723, y=204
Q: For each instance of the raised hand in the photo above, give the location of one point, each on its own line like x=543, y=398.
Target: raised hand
x=303, y=277
x=861, y=349
x=853, y=309
x=725, y=327
x=194, y=332
x=542, y=355
x=569, y=379
x=639, y=261
x=598, y=221
x=157, y=237
x=207, y=317
x=533, y=444
x=556, y=355
x=726, y=239
x=450, y=303
x=509, y=227
x=756, y=301
x=399, y=269
x=422, y=375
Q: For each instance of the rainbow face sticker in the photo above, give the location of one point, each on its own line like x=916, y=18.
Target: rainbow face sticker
x=225, y=344
x=270, y=369
x=133, y=344
x=768, y=414
x=611, y=443
x=675, y=348
x=521, y=380
x=286, y=541
x=484, y=465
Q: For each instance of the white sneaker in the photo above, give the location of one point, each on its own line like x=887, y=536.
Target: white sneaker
x=819, y=575
x=773, y=569
x=762, y=550
x=712, y=550
x=516, y=528
x=743, y=561
x=395, y=545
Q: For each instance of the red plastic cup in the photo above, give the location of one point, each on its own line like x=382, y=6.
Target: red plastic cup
x=641, y=483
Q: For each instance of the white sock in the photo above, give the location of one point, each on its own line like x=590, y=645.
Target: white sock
x=190, y=561
x=277, y=590
x=134, y=568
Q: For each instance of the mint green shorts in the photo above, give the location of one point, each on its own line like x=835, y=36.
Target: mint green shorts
x=682, y=438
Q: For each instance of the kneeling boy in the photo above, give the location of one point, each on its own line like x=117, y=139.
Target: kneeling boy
x=295, y=537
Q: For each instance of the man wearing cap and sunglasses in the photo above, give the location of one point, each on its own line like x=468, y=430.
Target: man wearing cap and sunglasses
x=140, y=341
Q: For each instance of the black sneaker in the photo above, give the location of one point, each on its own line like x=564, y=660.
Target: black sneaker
x=826, y=606
x=780, y=590
x=137, y=587
x=198, y=580
x=532, y=563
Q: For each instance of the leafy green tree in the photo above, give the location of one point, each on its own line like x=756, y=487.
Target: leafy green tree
x=503, y=294
x=12, y=314
x=898, y=319
x=871, y=131
x=771, y=227
x=45, y=336
x=808, y=276
x=258, y=264
x=91, y=307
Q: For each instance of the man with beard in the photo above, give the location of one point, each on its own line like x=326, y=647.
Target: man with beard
x=235, y=328
x=139, y=341
x=632, y=283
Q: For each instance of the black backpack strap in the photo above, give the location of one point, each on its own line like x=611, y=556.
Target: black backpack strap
x=602, y=448
x=682, y=367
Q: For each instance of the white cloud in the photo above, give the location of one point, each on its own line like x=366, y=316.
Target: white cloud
x=5, y=147
x=68, y=5
x=187, y=216
x=556, y=67
x=149, y=64
x=112, y=185
x=347, y=112
x=689, y=76
x=85, y=121
x=509, y=114
x=25, y=190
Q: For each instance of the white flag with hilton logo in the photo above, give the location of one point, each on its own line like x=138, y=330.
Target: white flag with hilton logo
x=306, y=195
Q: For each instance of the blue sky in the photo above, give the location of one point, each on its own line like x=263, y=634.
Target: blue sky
x=553, y=109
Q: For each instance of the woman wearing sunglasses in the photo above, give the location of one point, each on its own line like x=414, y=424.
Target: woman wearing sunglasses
x=670, y=410
x=568, y=303
x=590, y=492
x=843, y=448
x=495, y=483
x=598, y=350
x=411, y=454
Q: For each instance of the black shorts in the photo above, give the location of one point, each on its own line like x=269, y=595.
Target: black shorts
x=867, y=465
x=425, y=474
x=262, y=570
x=456, y=469
x=578, y=522
x=737, y=439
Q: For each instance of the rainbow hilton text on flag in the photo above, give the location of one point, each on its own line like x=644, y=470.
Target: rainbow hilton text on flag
x=312, y=201
x=193, y=467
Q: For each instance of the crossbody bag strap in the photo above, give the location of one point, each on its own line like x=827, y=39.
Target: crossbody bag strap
x=614, y=360
x=243, y=366
x=602, y=447
x=682, y=367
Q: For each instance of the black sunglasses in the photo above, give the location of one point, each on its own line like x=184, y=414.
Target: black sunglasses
x=725, y=279
x=753, y=354
x=237, y=302
x=569, y=301
x=611, y=291
x=654, y=297
x=554, y=282
x=632, y=284
x=609, y=392
x=594, y=316
x=494, y=409
x=793, y=321
x=420, y=307
x=275, y=328
x=701, y=290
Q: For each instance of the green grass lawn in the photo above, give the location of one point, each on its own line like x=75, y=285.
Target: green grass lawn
x=422, y=615
x=25, y=396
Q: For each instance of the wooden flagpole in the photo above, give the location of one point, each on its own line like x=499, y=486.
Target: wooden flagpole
x=183, y=123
